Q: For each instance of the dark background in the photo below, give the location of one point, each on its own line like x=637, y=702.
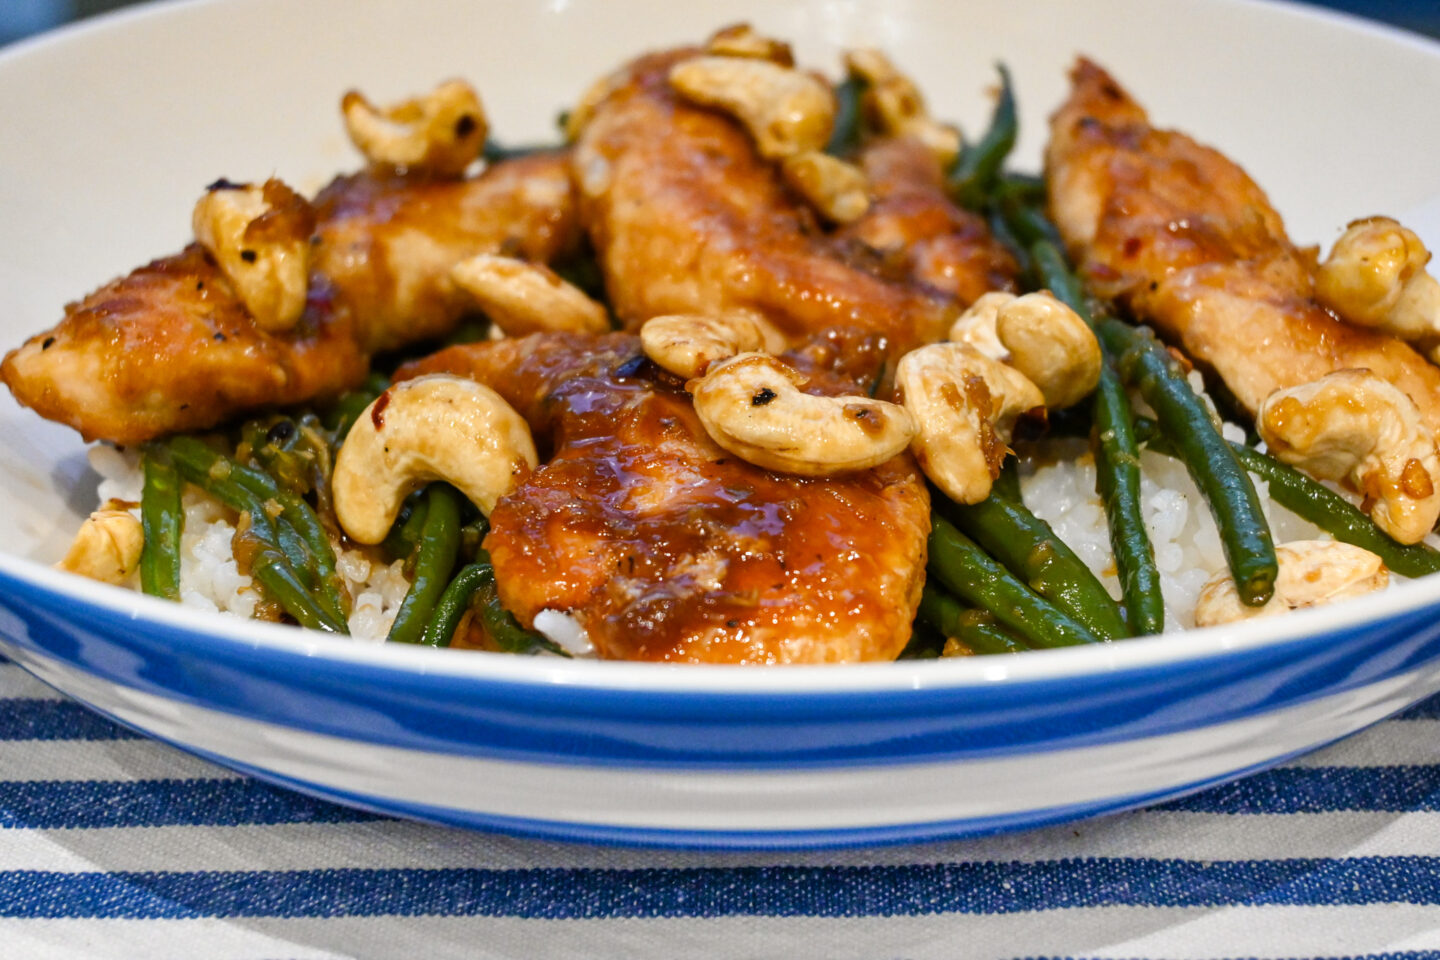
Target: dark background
x=20, y=18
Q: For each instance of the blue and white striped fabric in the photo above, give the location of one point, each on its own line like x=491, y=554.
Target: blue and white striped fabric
x=112, y=845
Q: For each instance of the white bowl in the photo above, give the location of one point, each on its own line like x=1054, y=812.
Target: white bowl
x=114, y=127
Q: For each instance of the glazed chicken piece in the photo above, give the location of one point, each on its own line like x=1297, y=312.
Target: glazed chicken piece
x=917, y=233
x=388, y=242
x=664, y=547
x=687, y=217
x=1188, y=242
x=172, y=347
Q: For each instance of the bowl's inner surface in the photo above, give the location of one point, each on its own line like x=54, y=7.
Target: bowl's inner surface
x=126, y=120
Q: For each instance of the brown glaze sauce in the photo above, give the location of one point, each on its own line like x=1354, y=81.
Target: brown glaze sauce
x=665, y=547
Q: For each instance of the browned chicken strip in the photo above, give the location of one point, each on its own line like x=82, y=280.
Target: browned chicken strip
x=664, y=547
x=918, y=234
x=1187, y=241
x=388, y=242
x=686, y=217
x=171, y=347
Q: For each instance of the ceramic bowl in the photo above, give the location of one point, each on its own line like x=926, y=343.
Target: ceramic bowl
x=115, y=126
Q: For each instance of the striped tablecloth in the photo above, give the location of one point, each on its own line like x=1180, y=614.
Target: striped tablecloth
x=112, y=845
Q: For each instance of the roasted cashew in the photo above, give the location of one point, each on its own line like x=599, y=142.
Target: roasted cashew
x=1039, y=336
x=786, y=111
x=751, y=405
x=966, y=405
x=686, y=344
x=441, y=132
x=260, y=237
x=1051, y=346
x=896, y=104
x=521, y=297
x=839, y=191
x=1312, y=572
x=977, y=325
x=1375, y=276
x=1353, y=425
x=107, y=545
x=741, y=40
x=437, y=427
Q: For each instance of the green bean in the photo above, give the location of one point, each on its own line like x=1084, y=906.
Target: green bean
x=472, y=535
x=509, y=636
x=297, y=514
x=1029, y=548
x=300, y=533
x=270, y=567
x=925, y=643
x=296, y=552
x=1002, y=233
x=978, y=169
x=1022, y=189
x=494, y=152
x=453, y=603
x=978, y=580
x=1008, y=483
x=1313, y=501
x=163, y=519
x=269, y=564
x=404, y=536
x=294, y=451
x=1117, y=480
x=506, y=632
x=272, y=443
x=976, y=629
x=342, y=416
x=845, y=135
x=1146, y=365
x=439, y=545
x=1117, y=464
x=475, y=587
x=1030, y=224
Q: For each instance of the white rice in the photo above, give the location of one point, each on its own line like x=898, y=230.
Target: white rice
x=1183, y=533
x=211, y=580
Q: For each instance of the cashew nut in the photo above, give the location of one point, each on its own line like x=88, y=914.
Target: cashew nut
x=966, y=405
x=977, y=325
x=1353, y=425
x=107, y=546
x=260, y=237
x=752, y=406
x=1051, y=346
x=1312, y=572
x=895, y=103
x=1375, y=276
x=741, y=40
x=686, y=344
x=522, y=298
x=441, y=132
x=839, y=191
x=431, y=428
x=1039, y=336
x=786, y=111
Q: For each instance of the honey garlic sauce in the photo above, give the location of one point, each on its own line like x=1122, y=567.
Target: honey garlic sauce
x=666, y=548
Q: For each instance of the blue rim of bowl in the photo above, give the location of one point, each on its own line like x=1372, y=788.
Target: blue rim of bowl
x=1070, y=663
